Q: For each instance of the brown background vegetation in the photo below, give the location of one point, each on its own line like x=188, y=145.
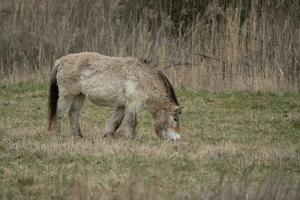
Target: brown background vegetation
x=209, y=44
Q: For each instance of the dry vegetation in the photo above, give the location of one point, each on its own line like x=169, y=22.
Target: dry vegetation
x=235, y=146
x=211, y=44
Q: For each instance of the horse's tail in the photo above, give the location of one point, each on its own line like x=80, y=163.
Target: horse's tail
x=53, y=95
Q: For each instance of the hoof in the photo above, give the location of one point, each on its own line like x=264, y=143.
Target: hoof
x=78, y=135
x=108, y=135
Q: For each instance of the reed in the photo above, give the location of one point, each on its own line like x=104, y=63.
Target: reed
x=211, y=45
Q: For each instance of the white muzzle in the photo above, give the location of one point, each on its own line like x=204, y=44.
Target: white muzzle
x=171, y=135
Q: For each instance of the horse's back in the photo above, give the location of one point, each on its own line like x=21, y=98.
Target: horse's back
x=76, y=63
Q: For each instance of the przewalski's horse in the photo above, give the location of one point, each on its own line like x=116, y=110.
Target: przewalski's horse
x=122, y=82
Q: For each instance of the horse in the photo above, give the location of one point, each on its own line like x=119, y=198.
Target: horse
x=125, y=83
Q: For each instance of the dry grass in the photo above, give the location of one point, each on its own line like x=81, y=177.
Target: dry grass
x=221, y=45
x=235, y=146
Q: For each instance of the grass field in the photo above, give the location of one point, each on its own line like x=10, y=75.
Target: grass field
x=234, y=146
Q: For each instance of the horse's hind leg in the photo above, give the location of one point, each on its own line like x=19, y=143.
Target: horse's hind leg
x=64, y=103
x=115, y=121
x=74, y=114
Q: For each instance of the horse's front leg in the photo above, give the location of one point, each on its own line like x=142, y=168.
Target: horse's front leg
x=130, y=121
x=115, y=121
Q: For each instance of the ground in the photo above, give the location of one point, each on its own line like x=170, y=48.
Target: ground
x=235, y=145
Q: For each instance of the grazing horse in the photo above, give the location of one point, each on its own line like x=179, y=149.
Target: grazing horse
x=125, y=83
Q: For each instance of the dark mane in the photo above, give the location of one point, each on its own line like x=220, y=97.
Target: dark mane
x=169, y=88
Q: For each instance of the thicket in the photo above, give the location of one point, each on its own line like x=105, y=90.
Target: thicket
x=205, y=44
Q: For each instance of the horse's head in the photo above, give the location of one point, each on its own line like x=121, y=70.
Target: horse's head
x=165, y=110
x=166, y=123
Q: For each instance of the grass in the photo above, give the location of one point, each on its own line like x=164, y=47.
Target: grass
x=235, y=145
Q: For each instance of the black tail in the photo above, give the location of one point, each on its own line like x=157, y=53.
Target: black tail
x=53, y=98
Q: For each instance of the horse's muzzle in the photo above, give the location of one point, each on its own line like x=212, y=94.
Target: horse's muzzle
x=170, y=134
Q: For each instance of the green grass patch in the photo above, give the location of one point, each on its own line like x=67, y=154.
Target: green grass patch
x=234, y=144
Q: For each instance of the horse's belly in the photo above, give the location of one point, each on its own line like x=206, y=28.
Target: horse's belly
x=104, y=92
x=106, y=101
